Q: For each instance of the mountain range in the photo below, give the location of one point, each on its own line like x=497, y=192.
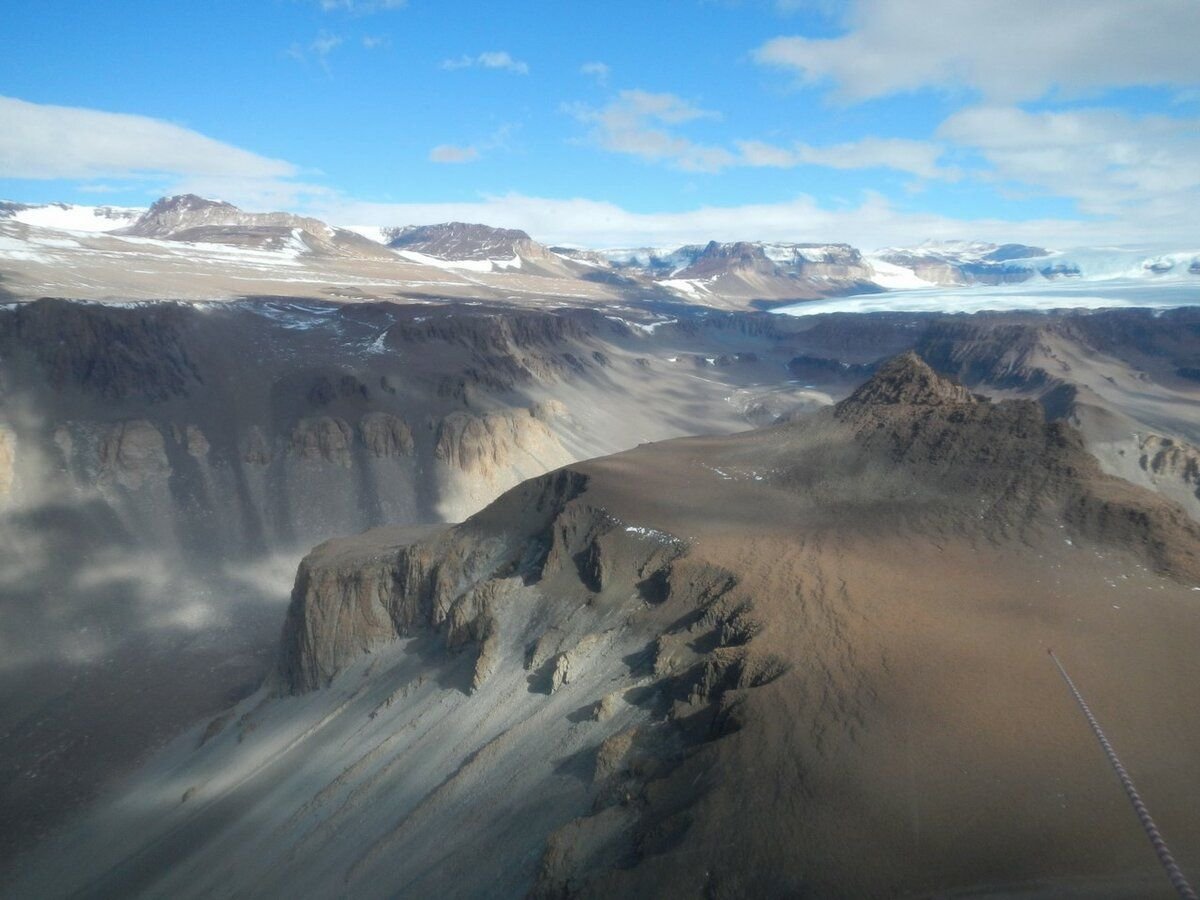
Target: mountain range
x=452, y=258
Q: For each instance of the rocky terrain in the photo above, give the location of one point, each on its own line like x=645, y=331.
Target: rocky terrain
x=755, y=274
x=812, y=656
x=191, y=248
x=193, y=219
x=164, y=466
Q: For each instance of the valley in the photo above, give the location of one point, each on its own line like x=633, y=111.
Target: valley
x=534, y=580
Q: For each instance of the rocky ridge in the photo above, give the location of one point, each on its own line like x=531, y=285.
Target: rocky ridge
x=187, y=217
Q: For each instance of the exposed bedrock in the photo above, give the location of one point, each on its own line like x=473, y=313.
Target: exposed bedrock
x=485, y=444
x=8, y=456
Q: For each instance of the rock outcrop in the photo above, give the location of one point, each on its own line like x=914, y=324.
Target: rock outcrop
x=485, y=445
x=336, y=613
x=1026, y=469
x=132, y=453
x=8, y=462
x=1169, y=458
x=256, y=449
x=186, y=217
x=111, y=353
x=463, y=241
x=386, y=436
x=323, y=438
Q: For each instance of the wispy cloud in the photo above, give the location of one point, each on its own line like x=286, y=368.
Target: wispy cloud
x=920, y=158
x=138, y=152
x=643, y=124
x=459, y=153
x=449, y=153
x=1110, y=162
x=317, y=49
x=42, y=141
x=375, y=41
x=871, y=222
x=597, y=70
x=1008, y=50
x=490, y=59
x=361, y=7
x=636, y=123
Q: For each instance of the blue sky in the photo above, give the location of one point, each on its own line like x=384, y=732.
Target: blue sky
x=872, y=121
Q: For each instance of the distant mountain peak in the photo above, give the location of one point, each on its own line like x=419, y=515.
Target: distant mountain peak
x=463, y=241
x=907, y=380
x=188, y=203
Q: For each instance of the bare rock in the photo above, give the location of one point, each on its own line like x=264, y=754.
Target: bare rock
x=133, y=453
x=386, y=436
x=485, y=445
x=606, y=707
x=1163, y=457
x=612, y=752
x=354, y=592
x=322, y=438
x=8, y=458
x=344, y=590
x=256, y=449
x=548, y=410
x=569, y=666
x=195, y=441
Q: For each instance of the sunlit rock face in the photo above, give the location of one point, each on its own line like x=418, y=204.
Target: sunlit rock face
x=8, y=454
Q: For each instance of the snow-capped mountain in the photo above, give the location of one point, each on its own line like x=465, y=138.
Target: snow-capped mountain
x=91, y=251
x=965, y=262
x=476, y=247
x=68, y=217
x=462, y=240
x=762, y=273
x=954, y=263
x=186, y=217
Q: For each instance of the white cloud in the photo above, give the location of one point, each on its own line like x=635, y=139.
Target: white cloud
x=1009, y=50
x=918, y=158
x=597, y=70
x=455, y=153
x=324, y=44
x=42, y=141
x=634, y=124
x=873, y=222
x=449, y=153
x=1110, y=162
x=490, y=59
x=319, y=48
x=361, y=7
x=375, y=41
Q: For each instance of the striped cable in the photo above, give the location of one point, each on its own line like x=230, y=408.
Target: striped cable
x=1172, y=869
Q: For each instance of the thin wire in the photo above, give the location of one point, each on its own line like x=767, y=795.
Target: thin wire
x=1178, y=880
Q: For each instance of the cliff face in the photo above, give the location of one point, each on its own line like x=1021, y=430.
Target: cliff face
x=1166, y=457
x=484, y=446
x=8, y=452
x=344, y=603
x=115, y=354
x=133, y=453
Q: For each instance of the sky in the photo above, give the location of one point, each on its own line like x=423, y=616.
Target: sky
x=875, y=122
